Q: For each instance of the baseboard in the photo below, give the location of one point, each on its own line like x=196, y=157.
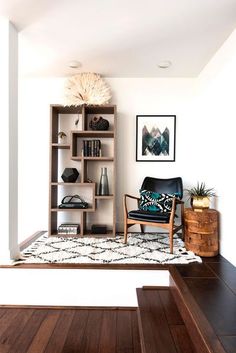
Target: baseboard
x=25, y=243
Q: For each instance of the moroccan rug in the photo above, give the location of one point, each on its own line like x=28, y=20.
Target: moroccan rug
x=148, y=248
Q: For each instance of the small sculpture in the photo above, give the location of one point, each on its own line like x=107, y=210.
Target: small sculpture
x=99, y=123
x=70, y=175
x=62, y=137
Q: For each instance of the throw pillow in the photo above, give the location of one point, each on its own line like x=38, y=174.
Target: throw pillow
x=153, y=201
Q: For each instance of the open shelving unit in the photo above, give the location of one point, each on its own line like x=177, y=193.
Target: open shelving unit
x=101, y=208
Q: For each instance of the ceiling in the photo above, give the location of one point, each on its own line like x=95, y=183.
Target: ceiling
x=119, y=38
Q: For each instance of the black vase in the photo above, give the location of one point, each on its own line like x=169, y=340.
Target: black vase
x=99, y=123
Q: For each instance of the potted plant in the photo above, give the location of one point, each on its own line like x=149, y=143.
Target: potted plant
x=200, y=196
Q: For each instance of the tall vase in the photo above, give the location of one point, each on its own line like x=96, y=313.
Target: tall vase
x=103, y=186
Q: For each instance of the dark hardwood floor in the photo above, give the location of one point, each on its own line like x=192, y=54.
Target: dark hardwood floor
x=162, y=328
x=213, y=286
x=68, y=330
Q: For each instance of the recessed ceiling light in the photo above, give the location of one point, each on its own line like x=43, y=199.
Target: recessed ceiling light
x=165, y=64
x=74, y=64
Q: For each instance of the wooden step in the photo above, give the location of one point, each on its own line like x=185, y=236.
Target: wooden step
x=161, y=327
x=226, y=272
x=197, y=316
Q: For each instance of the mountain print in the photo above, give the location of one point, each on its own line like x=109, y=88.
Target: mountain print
x=155, y=142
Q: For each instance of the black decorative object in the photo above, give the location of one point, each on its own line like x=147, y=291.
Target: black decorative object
x=103, y=186
x=73, y=201
x=70, y=175
x=98, y=229
x=99, y=123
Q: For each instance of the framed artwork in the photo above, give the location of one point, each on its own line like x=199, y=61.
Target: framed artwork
x=155, y=138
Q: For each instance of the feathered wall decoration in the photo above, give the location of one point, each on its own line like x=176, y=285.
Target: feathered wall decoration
x=86, y=88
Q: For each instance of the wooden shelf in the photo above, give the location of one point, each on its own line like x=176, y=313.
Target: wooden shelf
x=104, y=197
x=55, y=234
x=60, y=145
x=102, y=109
x=92, y=133
x=72, y=184
x=90, y=209
x=108, y=234
x=76, y=158
x=89, y=168
x=108, y=159
x=111, y=159
x=61, y=109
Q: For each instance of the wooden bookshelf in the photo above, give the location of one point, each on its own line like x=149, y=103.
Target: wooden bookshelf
x=101, y=209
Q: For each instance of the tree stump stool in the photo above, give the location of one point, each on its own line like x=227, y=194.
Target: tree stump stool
x=201, y=232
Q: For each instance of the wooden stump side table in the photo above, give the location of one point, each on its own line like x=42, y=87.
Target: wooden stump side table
x=201, y=231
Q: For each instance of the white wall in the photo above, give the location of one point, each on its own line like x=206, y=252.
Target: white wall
x=4, y=142
x=132, y=96
x=78, y=287
x=216, y=118
x=205, y=141
x=35, y=97
x=8, y=142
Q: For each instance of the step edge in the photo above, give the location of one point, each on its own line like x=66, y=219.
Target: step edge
x=200, y=330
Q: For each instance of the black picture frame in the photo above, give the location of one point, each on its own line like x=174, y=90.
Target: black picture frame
x=155, y=138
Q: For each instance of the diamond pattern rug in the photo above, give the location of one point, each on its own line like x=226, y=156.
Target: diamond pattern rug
x=148, y=248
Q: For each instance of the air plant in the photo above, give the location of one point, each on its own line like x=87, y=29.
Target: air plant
x=61, y=134
x=200, y=191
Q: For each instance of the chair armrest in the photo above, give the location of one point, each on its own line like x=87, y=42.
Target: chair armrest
x=179, y=202
x=131, y=197
x=125, y=201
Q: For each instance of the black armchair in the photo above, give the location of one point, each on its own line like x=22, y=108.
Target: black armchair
x=163, y=218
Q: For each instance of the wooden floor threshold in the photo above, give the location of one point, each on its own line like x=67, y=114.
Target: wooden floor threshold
x=56, y=266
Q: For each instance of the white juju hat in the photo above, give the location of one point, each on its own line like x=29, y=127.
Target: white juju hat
x=86, y=88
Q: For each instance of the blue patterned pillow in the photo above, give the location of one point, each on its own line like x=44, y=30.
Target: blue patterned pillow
x=153, y=201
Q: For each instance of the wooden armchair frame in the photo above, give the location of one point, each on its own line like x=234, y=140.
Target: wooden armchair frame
x=170, y=226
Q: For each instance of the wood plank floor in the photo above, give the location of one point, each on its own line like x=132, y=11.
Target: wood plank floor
x=68, y=330
x=162, y=328
x=213, y=287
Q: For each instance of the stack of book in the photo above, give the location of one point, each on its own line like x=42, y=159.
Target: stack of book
x=68, y=228
x=91, y=148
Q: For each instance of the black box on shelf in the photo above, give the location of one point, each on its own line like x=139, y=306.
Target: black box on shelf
x=99, y=229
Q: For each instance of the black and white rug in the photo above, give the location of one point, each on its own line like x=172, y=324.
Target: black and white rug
x=148, y=248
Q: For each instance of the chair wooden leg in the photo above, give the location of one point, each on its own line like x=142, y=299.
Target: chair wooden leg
x=125, y=231
x=182, y=222
x=171, y=241
x=183, y=233
x=142, y=228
